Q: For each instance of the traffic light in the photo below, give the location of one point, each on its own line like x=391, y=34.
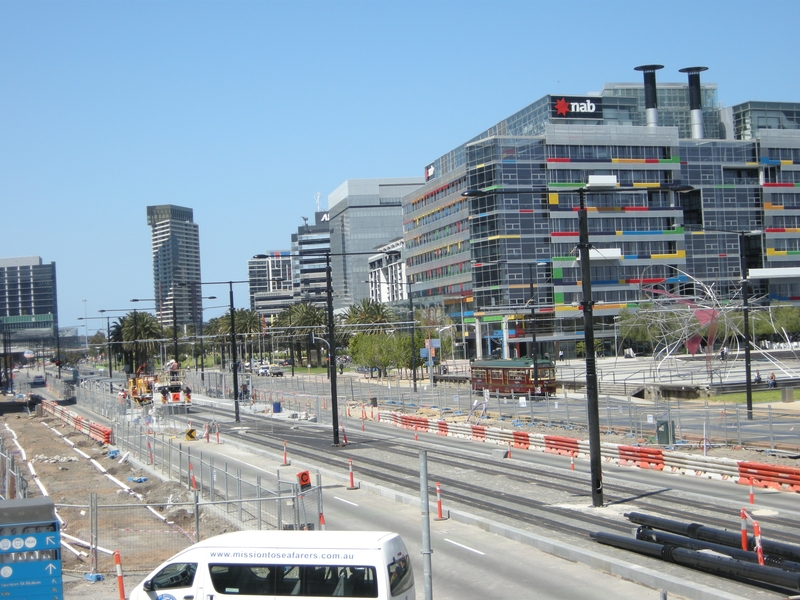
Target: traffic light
x=310, y=338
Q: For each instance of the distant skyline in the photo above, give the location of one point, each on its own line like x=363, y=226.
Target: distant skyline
x=244, y=111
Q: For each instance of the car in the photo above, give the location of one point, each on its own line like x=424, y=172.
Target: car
x=275, y=372
x=263, y=370
x=38, y=381
x=287, y=362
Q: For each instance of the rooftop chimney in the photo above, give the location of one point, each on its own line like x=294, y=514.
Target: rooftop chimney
x=650, y=101
x=695, y=103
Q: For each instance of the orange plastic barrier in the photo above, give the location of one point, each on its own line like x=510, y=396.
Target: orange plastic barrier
x=415, y=423
x=522, y=440
x=560, y=445
x=478, y=433
x=442, y=428
x=644, y=458
x=769, y=476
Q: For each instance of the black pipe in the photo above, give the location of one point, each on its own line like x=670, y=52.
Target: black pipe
x=720, y=536
x=712, y=563
x=646, y=534
x=650, y=95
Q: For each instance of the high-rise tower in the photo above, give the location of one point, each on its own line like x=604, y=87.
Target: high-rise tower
x=176, y=263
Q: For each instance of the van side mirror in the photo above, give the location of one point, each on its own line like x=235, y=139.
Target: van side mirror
x=147, y=586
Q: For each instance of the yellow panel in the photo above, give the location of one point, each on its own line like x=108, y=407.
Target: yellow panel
x=646, y=185
x=552, y=198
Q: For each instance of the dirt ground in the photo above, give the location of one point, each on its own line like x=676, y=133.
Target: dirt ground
x=69, y=478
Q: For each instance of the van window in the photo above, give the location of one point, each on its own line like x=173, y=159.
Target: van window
x=401, y=577
x=176, y=575
x=294, y=580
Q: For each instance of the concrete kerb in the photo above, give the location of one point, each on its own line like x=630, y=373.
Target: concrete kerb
x=595, y=560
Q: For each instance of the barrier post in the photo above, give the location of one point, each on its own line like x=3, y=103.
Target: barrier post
x=416, y=437
x=352, y=482
x=217, y=433
x=509, y=450
x=572, y=460
x=752, y=495
x=120, y=582
x=150, y=450
x=757, y=535
x=744, y=529
x=191, y=475
x=285, y=463
x=321, y=522
x=439, y=516
x=206, y=432
x=344, y=436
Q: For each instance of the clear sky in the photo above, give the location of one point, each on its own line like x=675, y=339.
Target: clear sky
x=243, y=111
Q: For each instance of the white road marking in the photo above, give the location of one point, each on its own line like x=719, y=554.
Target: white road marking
x=465, y=547
x=345, y=501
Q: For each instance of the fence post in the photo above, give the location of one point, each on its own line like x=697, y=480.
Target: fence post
x=239, y=498
x=321, y=521
x=279, y=525
x=213, y=474
x=197, y=515
x=258, y=502
x=738, y=428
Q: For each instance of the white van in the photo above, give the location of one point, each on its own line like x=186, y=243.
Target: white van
x=270, y=564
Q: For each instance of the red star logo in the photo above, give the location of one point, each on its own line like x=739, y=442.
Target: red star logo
x=562, y=107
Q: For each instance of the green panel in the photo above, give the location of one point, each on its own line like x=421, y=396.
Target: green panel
x=558, y=297
x=558, y=273
x=491, y=319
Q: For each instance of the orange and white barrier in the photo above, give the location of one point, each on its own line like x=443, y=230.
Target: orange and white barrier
x=120, y=583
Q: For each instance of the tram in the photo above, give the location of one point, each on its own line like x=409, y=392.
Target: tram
x=515, y=375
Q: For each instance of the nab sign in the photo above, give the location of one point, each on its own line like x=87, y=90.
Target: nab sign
x=572, y=107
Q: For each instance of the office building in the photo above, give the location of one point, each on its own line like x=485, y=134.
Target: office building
x=310, y=245
x=364, y=214
x=500, y=253
x=176, y=264
x=28, y=299
x=270, y=278
x=387, y=274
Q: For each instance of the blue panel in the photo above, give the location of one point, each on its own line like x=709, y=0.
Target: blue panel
x=25, y=542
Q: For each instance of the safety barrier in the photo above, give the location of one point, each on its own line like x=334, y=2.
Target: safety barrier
x=521, y=440
x=770, y=476
x=560, y=445
x=478, y=433
x=95, y=431
x=701, y=466
x=639, y=456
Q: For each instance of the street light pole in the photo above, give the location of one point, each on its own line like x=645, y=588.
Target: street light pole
x=233, y=359
x=532, y=349
x=413, y=335
x=746, y=314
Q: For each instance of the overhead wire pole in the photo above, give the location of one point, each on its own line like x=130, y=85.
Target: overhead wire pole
x=332, y=350
x=748, y=381
x=592, y=401
x=233, y=358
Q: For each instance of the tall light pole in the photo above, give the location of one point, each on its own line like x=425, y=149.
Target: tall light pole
x=85, y=331
x=748, y=381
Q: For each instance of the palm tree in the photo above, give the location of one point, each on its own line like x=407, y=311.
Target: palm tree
x=369, y=312
x=301, y=319
x=137, y=332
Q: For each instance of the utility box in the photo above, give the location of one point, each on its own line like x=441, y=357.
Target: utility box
x=373, y=402
x=787, y=394
x=665, y=432
x=276, y=407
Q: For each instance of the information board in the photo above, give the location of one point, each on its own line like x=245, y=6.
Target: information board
x=30, y=550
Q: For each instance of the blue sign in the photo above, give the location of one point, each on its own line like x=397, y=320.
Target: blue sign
x=31, y=556
x=423, y=353
x=26, y=542
x=436, y=343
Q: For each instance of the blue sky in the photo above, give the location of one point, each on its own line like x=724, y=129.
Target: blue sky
x=243, y=111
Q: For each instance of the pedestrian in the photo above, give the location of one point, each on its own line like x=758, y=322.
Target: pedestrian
x=757, y=378
x=772, y=382
x=560, y=355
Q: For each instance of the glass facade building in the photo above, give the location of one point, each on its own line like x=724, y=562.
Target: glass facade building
x=28, y=298
x=176, y=264
x=309, y=246
x=489, y=259
x=364, y=214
